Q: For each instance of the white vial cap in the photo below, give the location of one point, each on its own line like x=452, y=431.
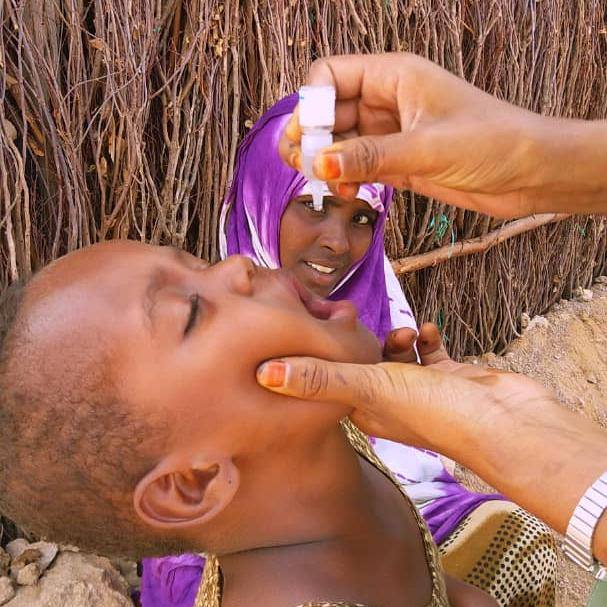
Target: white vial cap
x=317, y=106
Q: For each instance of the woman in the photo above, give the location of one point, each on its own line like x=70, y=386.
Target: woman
x=339, y=253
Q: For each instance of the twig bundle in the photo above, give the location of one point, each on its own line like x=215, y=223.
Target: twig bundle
x=121, y=118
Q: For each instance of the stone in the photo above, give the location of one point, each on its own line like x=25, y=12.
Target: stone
x=601, y=280
x=538, y=321
x=525, y=318
x=28, y=575
x=26, y=557
x=7, y=592
x=16, y=547
x=48, y=552
x=591, y=379
x=583, y=294
x=76, y=579
x=5, y=562
x=23, y=553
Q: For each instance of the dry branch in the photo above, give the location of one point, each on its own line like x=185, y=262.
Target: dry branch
x=474, y=245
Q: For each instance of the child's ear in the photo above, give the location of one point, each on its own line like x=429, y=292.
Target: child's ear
x=167, y=498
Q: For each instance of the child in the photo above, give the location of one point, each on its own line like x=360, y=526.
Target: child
x=132, y=424
x=339, y=253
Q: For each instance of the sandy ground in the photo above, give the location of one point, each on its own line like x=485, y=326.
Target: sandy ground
x=567, y=351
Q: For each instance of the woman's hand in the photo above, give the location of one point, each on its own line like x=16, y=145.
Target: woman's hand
x=407, y=122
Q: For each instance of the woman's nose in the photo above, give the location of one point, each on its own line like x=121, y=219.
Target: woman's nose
x=334, y=236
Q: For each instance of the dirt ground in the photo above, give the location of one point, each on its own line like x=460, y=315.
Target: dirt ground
x=567, y=351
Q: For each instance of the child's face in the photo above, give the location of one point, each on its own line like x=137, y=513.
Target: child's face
x=184, y=338
x=319, y=247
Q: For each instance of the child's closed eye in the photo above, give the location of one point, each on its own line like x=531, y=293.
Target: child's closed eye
x=194, y=309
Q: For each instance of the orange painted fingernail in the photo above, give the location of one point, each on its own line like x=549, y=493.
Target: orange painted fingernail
x=272, y=374
x=345, y=190
x=292, y=130
x=295, y=161
x=328, y=166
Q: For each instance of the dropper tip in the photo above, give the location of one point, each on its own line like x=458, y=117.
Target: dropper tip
x=317, y=196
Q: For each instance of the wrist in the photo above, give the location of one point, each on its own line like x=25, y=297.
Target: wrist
x=563, y=165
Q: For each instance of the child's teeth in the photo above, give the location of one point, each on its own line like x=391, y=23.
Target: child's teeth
x=322, y=269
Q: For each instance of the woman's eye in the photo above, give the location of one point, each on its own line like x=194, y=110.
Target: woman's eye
x=363, y=220
x=194, y=309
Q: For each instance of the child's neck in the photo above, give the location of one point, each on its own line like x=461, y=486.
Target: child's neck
x=337, y=529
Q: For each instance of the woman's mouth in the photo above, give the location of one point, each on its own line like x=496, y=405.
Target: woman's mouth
x=321, y=268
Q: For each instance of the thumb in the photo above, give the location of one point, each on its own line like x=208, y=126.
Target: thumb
x=320, y=380
x=367, y=159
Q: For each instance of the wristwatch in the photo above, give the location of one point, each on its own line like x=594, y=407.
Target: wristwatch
x=578, y=537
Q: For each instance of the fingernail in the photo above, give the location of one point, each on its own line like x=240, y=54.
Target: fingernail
x=292, y=129
x=272, y=374
x=343, y=189
x=295, y=161
x=328, y=166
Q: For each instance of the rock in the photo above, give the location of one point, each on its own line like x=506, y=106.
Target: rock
x=591, y=379
x=26, y=557
x=7, y=592
x=16, y=547
x=538, y=321
x=28, y=574
x=525, y=318
x=128, y=570
x=76, y=579
x=601, y=280
x=583, y=294
x=5, y=562
x=48, y=553
x=19, y=549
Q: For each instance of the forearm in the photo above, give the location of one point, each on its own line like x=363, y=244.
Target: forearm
x=540, y=456
x=568, y=161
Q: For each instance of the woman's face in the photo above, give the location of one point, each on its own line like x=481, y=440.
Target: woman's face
x=320, y=247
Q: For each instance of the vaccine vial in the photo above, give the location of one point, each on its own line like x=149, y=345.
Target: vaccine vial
x=316, y=119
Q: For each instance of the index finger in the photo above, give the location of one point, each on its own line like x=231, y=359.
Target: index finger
x=343, y=72
x=320, y=380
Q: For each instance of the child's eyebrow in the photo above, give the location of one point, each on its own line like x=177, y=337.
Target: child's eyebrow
x=156, y=282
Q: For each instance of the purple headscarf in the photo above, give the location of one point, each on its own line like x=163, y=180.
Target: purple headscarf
x=262, y=188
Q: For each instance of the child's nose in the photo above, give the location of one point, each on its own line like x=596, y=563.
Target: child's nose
x=334, y=236
x=236, y=274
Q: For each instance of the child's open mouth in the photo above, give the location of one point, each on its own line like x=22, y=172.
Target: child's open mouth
x=322, y=309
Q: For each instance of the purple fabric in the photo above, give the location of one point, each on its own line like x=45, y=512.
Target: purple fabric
x=445, y=513
x=171, y=581
x=261, y=190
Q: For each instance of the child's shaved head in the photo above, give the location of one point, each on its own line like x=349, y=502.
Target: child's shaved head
x=129, y=409
x=70, y=450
